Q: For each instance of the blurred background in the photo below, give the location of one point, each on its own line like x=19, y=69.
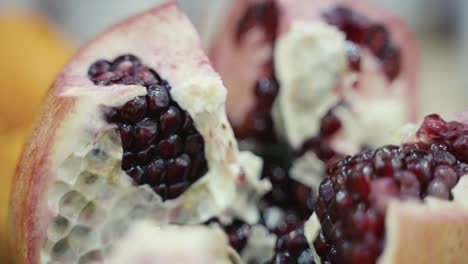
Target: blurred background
x=38, y=36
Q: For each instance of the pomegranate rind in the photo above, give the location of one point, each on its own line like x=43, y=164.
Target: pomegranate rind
x=27, y=221
x=227, y=57
x=149, y=243
x=71, y=118
x=432, y=232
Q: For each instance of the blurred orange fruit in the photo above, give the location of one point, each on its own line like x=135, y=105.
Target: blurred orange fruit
x=32, y=52
x=12, y=143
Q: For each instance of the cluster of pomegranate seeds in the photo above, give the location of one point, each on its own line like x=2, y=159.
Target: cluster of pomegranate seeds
x=259, y=122
x=293, y=248
x=330, y=124
x=238, y=232
x=352, y=200
x=162, y=147
x=293, y=197
x=360, y=32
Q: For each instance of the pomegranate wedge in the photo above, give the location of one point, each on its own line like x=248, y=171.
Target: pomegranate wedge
x=133, y=129
x=397, y=204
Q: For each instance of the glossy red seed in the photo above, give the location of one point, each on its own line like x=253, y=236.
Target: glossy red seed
x=446, y=174
x=145, y=132
x=460, y=147
x=157, y=98
x=444, y=158
x=296, y=243
x=171, y=120
x=98, y=68
x=134, y=110
x=125, y=63
x=326, y=190
x=342, y=202
x=194, y=144
x=360, y=184
x=177, y=169
x=238, y=235
x=439, y=189
x=321, y=244
x=155, y=172
x=126, y=136
x=170, y=147
x=329, y=124
x=409, y=184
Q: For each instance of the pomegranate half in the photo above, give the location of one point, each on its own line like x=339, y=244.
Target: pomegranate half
x=133, y=135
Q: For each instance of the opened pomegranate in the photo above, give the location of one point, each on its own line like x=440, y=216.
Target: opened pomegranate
x=132, y=138
x=133, y=159
x=398, y=204
x=267, y=52
x=309, y=82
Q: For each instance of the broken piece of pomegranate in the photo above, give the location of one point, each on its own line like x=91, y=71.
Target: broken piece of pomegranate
x=366, y=52
x=397, y=204
x=133, y=159
x=309, y=82
x=134, y=128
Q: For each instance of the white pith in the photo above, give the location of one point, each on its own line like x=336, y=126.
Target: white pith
x=443, y=225
x=308, y=170
x=376, y=112
x=310, y=63
x=310, y=60
x=91, y=202
x=260, y=245
x=311, y=230
x=173, y=244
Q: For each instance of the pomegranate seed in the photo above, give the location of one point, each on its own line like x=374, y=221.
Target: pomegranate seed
x=171, y=120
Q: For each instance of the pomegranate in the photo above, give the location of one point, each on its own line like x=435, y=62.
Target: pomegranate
x=258, y=40
x=397, y=204
x=132, y=139
x=309, y=82
x=133, y=159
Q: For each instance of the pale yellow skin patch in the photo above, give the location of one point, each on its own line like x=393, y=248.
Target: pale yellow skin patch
x=435, y=231
x=431, y=232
